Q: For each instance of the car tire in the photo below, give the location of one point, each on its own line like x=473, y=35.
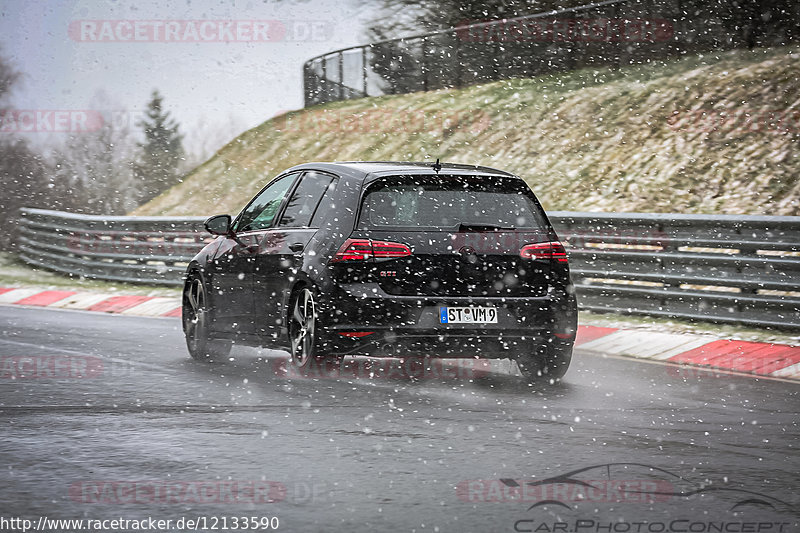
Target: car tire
x=548, y=364
x=305, y=351
x=196, y=324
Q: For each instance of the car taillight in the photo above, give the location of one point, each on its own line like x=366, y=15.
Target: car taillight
x=389, y=250
x=354, y=250
x=544, y=250
x=367, y=250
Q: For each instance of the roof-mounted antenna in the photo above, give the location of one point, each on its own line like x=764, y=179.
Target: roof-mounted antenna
x=437, y=166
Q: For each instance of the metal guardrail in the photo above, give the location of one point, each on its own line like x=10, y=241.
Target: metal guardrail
x=725, y=268
x=131, y=249
x=737, y=269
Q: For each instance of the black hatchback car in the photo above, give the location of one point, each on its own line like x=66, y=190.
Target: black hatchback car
x=387, y=260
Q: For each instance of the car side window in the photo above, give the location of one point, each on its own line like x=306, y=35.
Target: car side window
x=260, y=213
x=305, y=201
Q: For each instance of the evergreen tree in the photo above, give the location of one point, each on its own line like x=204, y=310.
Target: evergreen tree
x=159, y=164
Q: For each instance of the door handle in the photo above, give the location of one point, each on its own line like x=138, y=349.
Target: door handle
x=297, y=247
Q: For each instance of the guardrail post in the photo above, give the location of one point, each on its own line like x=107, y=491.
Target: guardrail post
x=364, y=69
x=424, y=66
x=457, y=58
x=342, y=96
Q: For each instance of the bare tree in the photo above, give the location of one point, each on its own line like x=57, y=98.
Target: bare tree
x=23, y=175
x=96, y=166
x=205, y=139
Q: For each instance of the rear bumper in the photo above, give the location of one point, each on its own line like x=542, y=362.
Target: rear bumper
x=404, y=326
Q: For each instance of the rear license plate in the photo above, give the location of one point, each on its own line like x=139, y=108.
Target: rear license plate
x=468, y=315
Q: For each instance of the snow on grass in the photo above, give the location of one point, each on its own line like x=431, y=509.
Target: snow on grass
x=695, y=135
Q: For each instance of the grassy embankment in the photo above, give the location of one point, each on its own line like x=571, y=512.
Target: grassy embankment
x=631, y=139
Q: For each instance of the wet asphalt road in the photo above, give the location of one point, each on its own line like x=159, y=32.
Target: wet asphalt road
x=381, y=453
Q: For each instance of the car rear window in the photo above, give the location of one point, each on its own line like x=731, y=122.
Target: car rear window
x=451, y=203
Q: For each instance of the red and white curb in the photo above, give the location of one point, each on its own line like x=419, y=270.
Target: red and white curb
x=704, y=351
x=759, y=358
x=137, y=305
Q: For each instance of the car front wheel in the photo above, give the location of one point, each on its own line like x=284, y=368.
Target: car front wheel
x=196, y=325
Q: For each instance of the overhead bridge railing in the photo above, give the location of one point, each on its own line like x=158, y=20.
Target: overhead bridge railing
x=737, y=269
x=606, y=33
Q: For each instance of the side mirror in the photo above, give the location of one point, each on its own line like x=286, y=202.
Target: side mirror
x=218, y=225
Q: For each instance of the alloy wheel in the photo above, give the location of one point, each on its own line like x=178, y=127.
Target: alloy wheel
x=195, y=318
x=303, y=328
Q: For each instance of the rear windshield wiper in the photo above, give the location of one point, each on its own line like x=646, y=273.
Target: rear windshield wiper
x=482, y=227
